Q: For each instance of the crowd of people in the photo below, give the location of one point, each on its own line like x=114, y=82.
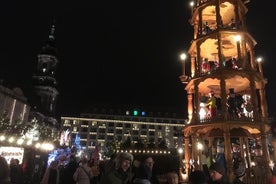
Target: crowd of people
x=123, y=169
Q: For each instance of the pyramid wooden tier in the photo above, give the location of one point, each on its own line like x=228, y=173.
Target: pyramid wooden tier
x=206, y=140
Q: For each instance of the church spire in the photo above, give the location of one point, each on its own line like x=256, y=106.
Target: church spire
x=49, y=46
x=52, y=32
x=45, y=79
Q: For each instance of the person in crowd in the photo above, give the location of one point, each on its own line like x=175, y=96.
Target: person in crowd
x=236, y=155
x=239, y=172
x=83, y=173
x=108, y=165
x=142, y=175
x=218, y=174
x=4, y=171
x=51, y=175
x=234, y=103
x=220, y=156
x=69, y=170
x=120, y=174
x=150, y=163
x=172, y=178
x=198, y=177
x=259, y=167
x=273, y=178
x=16, y=172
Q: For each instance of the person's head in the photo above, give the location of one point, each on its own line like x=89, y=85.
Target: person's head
x=123, y=161
x=235, y=147
x=258, y=150
x=217, y=171
x=17, y=161
x=72, y=158
x=212, y=93
x=172, y=178
x=144, y=172
x=84, y=160
x=197, y=177
x=4, y=169
x=220, y=148
x=149, y=162
x=12, y=162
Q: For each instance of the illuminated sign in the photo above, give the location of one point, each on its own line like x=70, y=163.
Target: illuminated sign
x=12, y=152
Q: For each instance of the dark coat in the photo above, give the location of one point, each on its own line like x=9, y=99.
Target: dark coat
x=115, y=177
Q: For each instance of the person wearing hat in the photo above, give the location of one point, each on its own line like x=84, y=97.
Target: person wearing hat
x=142, y=175
x=240, y=174
x=120, y=174
x=232, y=102
x=172, y=177
x=198, y=177
x=259, y=167
x=236, y=155
x=218, y=174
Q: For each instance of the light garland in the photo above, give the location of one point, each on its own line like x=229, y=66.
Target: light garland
x=163, y=152
x=20, y=141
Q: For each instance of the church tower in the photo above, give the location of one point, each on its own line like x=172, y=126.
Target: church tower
x=227, y=108
x=44, y=81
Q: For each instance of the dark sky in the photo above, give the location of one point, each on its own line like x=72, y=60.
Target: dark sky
x=115, y=52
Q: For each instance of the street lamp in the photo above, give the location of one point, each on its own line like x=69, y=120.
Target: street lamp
x=180, y=151
x=192, y=3
x=183, y=58
x=238, y=41
x=259, y=61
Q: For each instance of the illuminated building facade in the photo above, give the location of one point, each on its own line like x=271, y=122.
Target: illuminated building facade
x=13, y=104
x=99, y=129
x=226, y=91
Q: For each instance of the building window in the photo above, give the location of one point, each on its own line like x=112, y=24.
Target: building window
x=102, y=130
x=110, y=138
x=83, y=143
x=93, y=129
x=110, y=131
x=159, y=134
x=85, y=123
x=127, y=125
x=143, y=132
x=75, y=129
x=135, y=132
x=84, y=129
x=144, y=126
x=111, y=124
x=93, y=137
x=83, y=136
x=135, y=139
x=101, y=137
x=119, y=131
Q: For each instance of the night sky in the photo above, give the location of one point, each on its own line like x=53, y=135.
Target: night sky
x=115, y=52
